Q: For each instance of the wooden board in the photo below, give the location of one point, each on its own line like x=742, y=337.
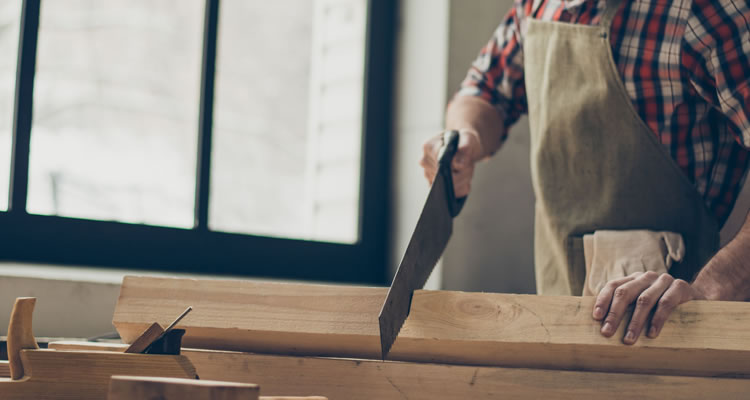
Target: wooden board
x=149, y=387
x=342, y=379
x=83, y=375
x=701, y=338
x=4, y=369
x=367, y=379
x=292, y=398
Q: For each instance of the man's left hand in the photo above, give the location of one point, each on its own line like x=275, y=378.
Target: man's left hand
x=649, y=291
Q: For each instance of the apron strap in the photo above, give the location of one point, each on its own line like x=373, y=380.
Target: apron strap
x=609, y=14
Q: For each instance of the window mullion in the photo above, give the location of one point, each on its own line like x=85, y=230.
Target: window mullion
x=205, y=126
x=24, y=102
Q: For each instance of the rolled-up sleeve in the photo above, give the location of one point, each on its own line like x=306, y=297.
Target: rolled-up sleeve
x=497, y=73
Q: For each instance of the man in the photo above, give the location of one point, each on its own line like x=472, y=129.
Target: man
x=640, y=120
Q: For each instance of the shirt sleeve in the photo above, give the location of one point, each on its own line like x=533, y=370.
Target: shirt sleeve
x=497, y=73
x=718, y=38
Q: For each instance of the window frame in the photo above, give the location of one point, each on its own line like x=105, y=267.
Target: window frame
x=74, y=241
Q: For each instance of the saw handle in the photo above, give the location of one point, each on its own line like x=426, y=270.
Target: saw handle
x=445, y=158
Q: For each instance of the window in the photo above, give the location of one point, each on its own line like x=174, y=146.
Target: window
x=10, y=17
x=116, y=98
x=287, y=146
x=233, y=137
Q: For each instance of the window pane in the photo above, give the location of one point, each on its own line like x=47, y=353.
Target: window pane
x=287, y=118
x=10, y=18
x=116, y=104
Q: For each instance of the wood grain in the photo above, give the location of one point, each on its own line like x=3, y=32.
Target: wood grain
x=353, y=379
x=292, y=398
x=153, y=332
x=20, y=334
x=700, y=339
x=4, y=369
x=141, y=387
x=52, y=374
x=343, y=379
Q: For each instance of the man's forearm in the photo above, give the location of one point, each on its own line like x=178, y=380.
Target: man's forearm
x=474, y=113
x=727, y=275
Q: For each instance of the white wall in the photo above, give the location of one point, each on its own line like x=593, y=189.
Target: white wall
x=420, y=98
x=491, y=247
x=73, y=303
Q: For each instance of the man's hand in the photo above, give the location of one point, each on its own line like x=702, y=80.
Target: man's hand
x=650, y=292
x=468, y=153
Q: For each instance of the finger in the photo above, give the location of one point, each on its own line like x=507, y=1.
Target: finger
x=462, y=181
x=603, y=300
x=677, y=293
x=430, y=150
x=463, y=152
x=623, y=296
x=430, y=174
x=644, y=305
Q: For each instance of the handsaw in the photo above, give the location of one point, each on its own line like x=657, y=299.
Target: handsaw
x=425, y=247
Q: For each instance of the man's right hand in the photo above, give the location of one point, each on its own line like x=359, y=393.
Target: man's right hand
x=469, y=152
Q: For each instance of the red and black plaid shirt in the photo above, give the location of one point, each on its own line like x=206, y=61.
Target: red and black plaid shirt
x=685, y=65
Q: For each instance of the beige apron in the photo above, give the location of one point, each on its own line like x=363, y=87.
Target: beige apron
x=595, y=164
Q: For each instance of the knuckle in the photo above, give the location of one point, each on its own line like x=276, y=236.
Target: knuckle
x=650, y=275
x=644, y=300
x=666, y=277
x=611, y=317
x=680, y=284
x=621, y=293
x=666, y=302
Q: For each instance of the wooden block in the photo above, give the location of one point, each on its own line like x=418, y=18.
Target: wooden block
x=4, y=369
x=701, y=338
x=88, y=346
x=153, y=332
x=53, y=374
x=367, y=379
x=140, y=387
x=344, y=379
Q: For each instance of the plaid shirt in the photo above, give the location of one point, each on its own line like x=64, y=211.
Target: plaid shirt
x=685, y=65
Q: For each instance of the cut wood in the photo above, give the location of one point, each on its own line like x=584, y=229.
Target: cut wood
x=700, y=338
x=141, y=387
x=341, y=379
x=367, y=379
x=52, y=374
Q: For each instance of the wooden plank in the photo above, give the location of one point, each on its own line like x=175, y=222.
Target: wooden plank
x=4, y=369
x=149, y=387
x=292, y=398
x=700, y=339
x=368, y=379
x=343, y=379
x=84, y=375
